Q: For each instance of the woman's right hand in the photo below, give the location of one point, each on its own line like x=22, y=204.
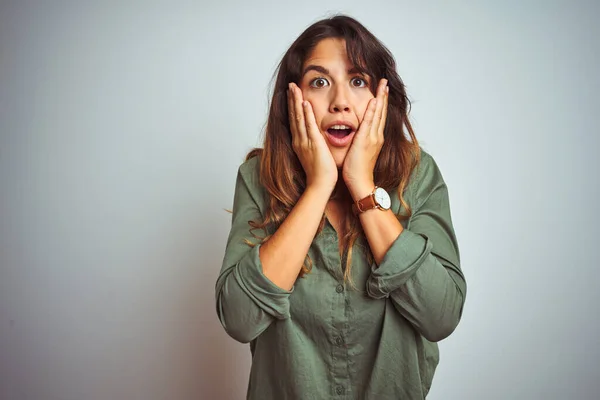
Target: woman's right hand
x=309, y=144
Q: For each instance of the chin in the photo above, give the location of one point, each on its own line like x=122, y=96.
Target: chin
x=339, y=156
x=339, y=160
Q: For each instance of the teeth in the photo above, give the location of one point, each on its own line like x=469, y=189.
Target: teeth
x=340, y=127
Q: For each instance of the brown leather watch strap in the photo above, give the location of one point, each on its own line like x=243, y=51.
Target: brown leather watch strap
x=364, y=204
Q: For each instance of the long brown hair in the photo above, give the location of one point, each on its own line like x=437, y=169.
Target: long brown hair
x=281, y=173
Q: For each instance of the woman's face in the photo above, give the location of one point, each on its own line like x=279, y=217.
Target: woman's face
x=339, y=95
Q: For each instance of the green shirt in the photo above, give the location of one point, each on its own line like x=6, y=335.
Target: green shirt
x=324, y=340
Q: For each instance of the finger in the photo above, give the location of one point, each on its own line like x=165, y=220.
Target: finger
x=291, y=113
x=367, y=122
x=312, y=129
x=380, y=105
x=299, y=114
x=384, y=113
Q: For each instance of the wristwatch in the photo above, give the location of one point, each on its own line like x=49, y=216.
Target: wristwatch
x=378, y=198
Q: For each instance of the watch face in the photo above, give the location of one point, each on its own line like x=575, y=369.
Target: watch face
x=382, y=198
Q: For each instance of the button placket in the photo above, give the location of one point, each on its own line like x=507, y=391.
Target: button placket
x=339, y=367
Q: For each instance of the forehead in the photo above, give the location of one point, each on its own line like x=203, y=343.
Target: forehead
x=329, y=52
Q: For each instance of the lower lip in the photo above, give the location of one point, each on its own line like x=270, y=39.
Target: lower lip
x=340, y=141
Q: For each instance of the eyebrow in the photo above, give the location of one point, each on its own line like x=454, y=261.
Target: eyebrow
x=324, y=70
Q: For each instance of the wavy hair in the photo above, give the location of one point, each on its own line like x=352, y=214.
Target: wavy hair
x=281, y=173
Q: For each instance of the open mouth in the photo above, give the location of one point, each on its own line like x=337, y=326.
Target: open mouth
x=339, y=133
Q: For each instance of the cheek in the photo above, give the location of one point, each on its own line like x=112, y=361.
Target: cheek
x=363, y=105
x=319, y=107
x=361, y=111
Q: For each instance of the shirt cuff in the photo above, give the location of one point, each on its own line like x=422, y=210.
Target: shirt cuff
x=267, y=295
x=406, y=254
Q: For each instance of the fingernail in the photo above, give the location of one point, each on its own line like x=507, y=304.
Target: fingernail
x=387, y=89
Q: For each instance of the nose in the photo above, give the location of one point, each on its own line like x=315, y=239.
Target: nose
x=339, y=102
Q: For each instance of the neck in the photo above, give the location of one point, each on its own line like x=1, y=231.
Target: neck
x=341, y=193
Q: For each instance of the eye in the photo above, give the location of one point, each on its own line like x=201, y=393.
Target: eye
x=358, y=82
x=318, y=82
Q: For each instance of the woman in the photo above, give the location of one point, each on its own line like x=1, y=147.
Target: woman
x=342, y=267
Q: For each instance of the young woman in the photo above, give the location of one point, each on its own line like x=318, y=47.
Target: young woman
x=342, y=267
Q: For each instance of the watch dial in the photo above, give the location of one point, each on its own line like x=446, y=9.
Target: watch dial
x=383, y=198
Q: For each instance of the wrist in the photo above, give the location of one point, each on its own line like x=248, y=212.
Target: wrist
x=321, y=190
x=362, y=190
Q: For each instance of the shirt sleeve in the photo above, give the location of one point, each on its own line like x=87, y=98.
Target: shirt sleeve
x=421, y=271
x=247, y=301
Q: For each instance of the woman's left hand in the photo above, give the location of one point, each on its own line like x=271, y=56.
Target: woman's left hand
x=360, y=161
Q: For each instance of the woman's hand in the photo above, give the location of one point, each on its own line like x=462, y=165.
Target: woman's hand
x=366, y=146
x=309, y=144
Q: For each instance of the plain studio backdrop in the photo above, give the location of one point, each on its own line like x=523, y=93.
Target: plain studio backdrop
x=122, y=128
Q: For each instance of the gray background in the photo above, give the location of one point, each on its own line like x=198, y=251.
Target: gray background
x=122, y=128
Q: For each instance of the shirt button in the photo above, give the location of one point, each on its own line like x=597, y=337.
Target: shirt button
x=339, y=390
x=339, y=341
x=339, y=288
